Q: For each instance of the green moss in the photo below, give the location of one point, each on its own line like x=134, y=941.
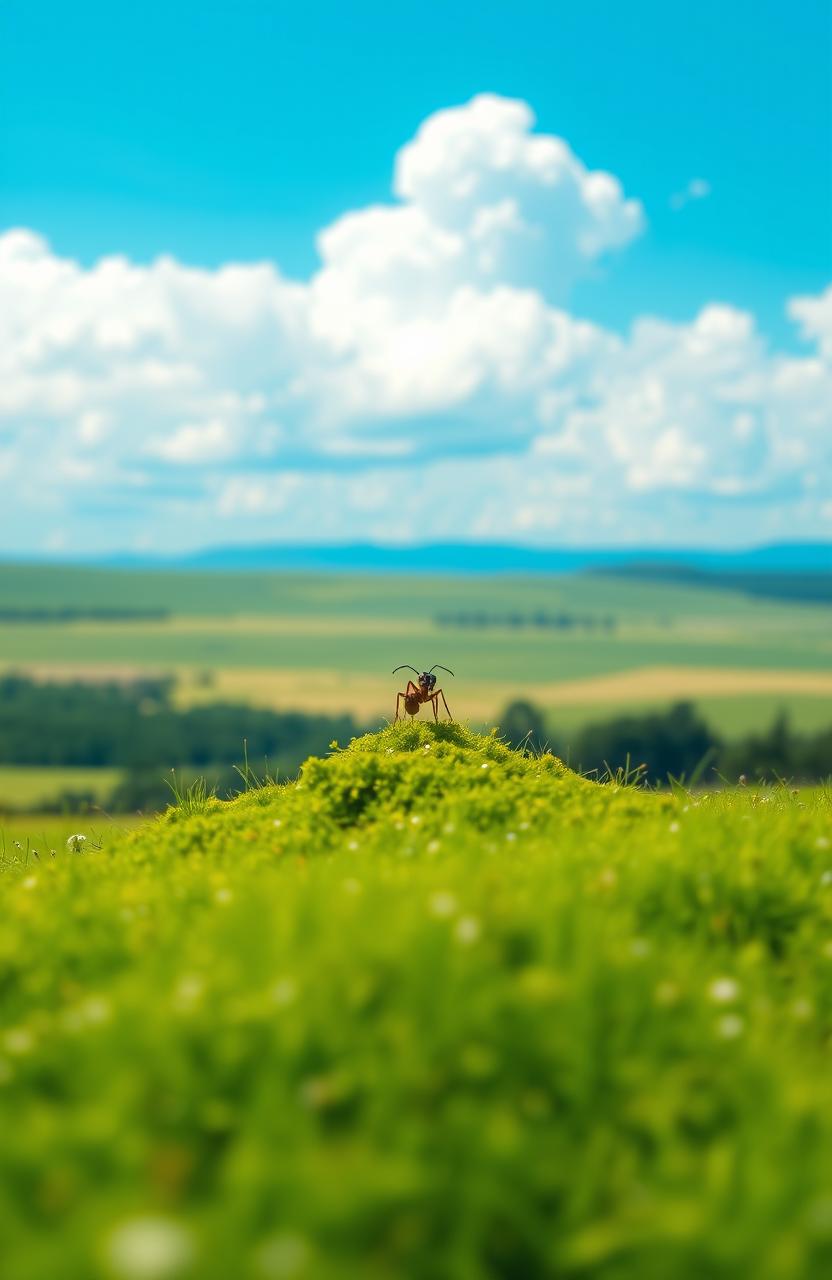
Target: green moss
x=439, y=1009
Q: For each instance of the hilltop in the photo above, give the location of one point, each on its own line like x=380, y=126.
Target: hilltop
x=438, y=1009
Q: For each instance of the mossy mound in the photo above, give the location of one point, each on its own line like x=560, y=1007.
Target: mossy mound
x=439, y=1010
x=440, y=772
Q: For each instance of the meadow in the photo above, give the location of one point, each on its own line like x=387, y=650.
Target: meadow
x=439, y=1009
x=328, y=642
x=28, y=787
x=583, y=648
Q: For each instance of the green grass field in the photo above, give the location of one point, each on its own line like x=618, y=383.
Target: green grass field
x=28, y=787
x=329, y=642
x=439, y=1010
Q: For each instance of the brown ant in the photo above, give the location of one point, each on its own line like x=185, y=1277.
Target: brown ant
x=415, y=695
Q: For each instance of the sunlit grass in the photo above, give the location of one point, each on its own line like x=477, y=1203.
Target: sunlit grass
x=439, y=1010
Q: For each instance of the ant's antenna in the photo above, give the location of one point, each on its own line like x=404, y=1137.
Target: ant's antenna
x=402, y=667
x=441, y=668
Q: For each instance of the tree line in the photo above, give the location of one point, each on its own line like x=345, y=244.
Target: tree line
x=137, y=728
x=481, y=619
x=677, y=742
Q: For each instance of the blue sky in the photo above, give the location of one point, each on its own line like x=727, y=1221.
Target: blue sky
x=219, y=131
x=236, y=133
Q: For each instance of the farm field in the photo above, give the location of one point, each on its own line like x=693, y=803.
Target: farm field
x=441, y=1009
x=27, y=786
x=735, y=702
x=329, y=642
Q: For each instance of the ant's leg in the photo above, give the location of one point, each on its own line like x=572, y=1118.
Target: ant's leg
x=439, y=693
x=411, y=689
x=434, y=704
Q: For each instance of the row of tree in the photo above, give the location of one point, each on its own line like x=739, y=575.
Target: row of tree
x=137, y=728
x=678, y=743
x=541, y=620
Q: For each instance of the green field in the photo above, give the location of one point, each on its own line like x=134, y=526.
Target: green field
x=440, y=1010
x=28, y=787
x=329, y=642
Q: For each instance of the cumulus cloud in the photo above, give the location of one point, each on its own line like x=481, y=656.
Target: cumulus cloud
x=428, y=380
x=194, y=443
x=523, y=203
x=814, y=315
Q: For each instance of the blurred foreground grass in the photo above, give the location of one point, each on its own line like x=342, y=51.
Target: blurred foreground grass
x=438, y=1010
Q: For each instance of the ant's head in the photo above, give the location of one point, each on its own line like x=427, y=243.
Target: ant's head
x=427, y=679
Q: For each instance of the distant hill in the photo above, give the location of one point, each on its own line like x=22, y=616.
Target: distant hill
x=483, y=558
x=807, y=586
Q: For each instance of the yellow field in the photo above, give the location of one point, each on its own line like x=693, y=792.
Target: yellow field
x=371, y=697
x=375, y=696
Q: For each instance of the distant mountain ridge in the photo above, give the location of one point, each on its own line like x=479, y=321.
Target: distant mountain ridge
x=465, y=558
x=486, y=558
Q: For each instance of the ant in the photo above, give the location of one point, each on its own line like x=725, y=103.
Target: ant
x=415, y=695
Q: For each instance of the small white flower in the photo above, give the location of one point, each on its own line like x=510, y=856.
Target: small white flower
x=284, y=992
x=353, y=844
x=730, y=1026
x=433, y=846
x=189, y=990
x=415, y=819
x=467, y=929
x=674, y=827
x=76, y=843
x=31, y=882
x=511, y=835
x=18, y=1041
x=723, y=990
x=826, y=878
x=483, y=766
x=96, y=1010
x=151, y=1248
x=822, y=842
x=443, y=904
x=278, y=822
x=282, y=1257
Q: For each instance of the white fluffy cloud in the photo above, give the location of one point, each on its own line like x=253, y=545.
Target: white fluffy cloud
x=426, y=381
x=519, y=200
x=815, y=317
